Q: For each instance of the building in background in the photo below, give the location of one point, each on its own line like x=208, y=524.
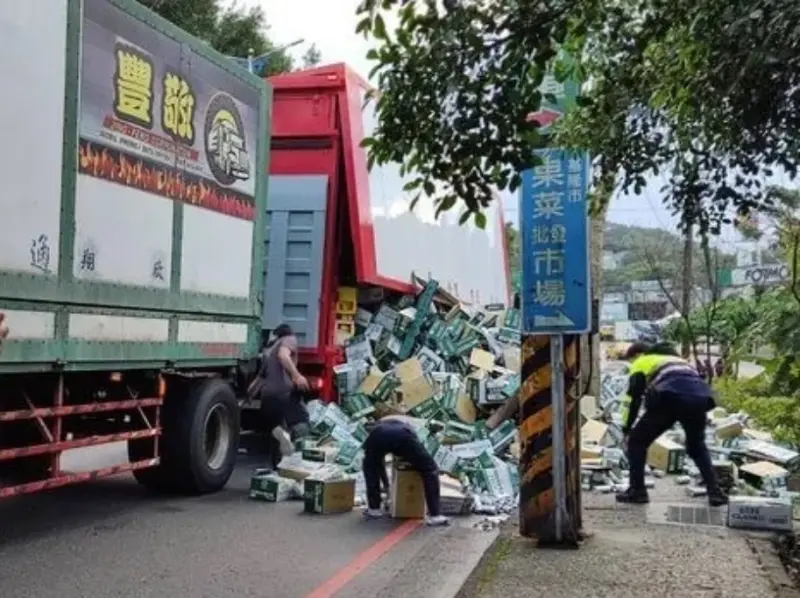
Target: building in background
x=611, y=261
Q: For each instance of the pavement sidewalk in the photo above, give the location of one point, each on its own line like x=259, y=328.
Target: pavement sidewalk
x=629, y=555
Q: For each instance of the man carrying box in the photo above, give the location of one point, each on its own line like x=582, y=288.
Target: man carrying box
x=394, y=437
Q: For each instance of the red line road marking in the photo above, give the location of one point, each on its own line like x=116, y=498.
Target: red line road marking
x=350, y=571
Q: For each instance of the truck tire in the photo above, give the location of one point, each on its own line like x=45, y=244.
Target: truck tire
x=200, y=440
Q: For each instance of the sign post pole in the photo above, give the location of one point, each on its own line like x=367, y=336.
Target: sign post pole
x=561, y=516
x=556, y=308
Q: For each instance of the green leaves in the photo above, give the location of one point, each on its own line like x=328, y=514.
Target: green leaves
x=233, y=31
x=701, y=91
x=456, y=87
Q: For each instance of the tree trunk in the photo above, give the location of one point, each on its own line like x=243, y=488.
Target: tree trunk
x=590, y=360
x=686, y=286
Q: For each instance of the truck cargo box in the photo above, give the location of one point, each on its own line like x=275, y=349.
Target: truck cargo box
x=132, y=191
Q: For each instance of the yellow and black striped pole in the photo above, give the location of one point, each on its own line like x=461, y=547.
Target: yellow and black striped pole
x=540, y=517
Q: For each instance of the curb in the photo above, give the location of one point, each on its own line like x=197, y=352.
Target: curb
x=483, y=570
x=770, y=560
x=444, y=564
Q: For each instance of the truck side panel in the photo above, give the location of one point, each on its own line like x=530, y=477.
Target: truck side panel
x=30, y=171
x=136, y=228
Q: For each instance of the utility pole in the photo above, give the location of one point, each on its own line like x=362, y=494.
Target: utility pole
x=687, y=283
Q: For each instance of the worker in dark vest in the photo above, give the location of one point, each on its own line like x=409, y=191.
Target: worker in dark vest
x=397, y=438
x=673, y=392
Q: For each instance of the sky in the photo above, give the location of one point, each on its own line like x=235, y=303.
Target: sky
x=330, y=24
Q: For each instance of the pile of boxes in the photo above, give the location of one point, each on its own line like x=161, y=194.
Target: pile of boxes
x=750, y=466
x=444, y=371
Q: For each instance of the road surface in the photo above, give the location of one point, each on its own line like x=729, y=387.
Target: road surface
x=110, y=539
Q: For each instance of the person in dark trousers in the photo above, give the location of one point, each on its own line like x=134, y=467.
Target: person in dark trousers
x=281, y=381
x=394, y=437
x=673, y=392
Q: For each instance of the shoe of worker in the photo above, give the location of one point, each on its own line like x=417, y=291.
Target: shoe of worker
x=717, y=499
x=374, y=514
x=631, y=496
x=437, y=521
x=287, y=448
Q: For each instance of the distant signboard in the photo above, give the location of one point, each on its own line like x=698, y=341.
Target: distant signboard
x=759, y=275
x=555, y=245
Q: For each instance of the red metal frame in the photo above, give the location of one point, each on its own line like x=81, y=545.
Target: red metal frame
x=67, y=479
x=345, y=85
x=319, y=106
x=49, y=420
x=309, y=115
x=348, y=86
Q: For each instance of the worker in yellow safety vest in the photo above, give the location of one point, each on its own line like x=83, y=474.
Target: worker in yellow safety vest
x=673, y=392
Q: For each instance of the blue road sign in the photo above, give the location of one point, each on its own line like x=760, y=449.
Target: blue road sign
x=554, y=224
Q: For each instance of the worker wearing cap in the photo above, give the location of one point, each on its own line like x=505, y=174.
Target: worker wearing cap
x=397, y=438
x=673, y=392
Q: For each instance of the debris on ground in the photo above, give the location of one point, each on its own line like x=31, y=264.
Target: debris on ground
x=750, y=465
x=451, y=372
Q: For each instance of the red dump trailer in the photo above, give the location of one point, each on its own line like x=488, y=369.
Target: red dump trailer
x=334, y=226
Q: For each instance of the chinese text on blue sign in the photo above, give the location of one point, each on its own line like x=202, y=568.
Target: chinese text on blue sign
x=556, y=293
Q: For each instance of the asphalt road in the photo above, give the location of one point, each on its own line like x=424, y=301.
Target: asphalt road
x=111, y=539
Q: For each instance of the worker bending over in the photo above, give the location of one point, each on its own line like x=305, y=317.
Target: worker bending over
x=673, y=391
x=394, y=437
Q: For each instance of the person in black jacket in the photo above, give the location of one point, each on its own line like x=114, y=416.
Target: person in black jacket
x=281, y=383
x=394, y=437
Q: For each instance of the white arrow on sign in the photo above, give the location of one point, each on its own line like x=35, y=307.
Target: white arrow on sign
x=559, y=321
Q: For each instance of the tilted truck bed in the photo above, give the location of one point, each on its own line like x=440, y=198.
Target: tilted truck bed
x=132, y=192
x=333, y=223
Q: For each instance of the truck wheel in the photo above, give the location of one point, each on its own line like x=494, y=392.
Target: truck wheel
x=201, y=437
x=200, y=440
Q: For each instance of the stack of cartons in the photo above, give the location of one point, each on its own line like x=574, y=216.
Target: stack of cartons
x=445, y=371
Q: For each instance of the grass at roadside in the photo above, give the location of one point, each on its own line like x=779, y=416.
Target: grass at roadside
x=488, y=570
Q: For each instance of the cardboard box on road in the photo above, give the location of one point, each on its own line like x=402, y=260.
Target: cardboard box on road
x=408, y=494
x=666, y=455
x=757, y=512
x=595, y=433
x=320, y=454
x=326, y=497
x=296, y=469
x=269, y=487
